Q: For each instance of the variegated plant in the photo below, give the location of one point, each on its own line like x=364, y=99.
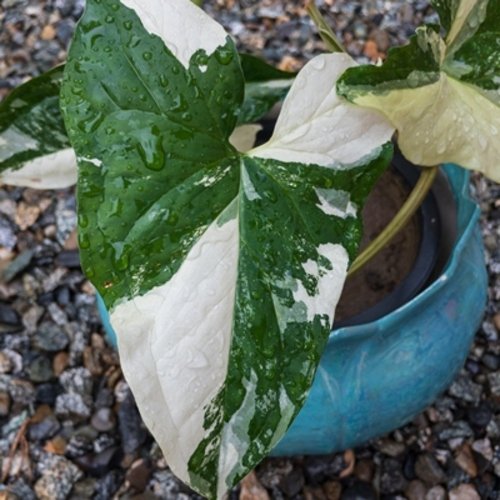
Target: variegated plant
x=221, y=264
x=442, y=95
x=221, y=270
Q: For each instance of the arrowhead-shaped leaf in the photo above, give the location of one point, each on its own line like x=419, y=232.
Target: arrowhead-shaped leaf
x=221, y=270
x=34, y=147
x=443, y=96
x=35, y=150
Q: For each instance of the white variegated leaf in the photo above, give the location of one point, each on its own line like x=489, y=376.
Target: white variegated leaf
x=317, y=126
x=443, y=96
x=52, y=171
x=34, y=148
x=221, y=269
x=243, y=138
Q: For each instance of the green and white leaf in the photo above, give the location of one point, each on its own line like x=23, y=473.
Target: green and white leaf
x=35, y=150
x=265, y=87
x=34, y=147
x=221, y=316
x=443, y=96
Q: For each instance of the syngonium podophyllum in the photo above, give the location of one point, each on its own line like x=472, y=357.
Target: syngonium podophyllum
x=35, y=150
x=443, y=96
x=221, y=270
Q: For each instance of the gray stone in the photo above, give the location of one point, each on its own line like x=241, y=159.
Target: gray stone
x=40, y=369
x=50, y=337
x=78, y=381
x=436, y=493
x=463, y=388
x=416, y=490
x=428, y=470
x=132, y=430
x=20, y=263
x=103, y=420
x=72, y=405
x=391, y=477
x=22, y=391
x=57, y=477
x=491, y=361
x=464, y=492
x=494, y=383
x=84, y=489
x=8, y=238
x=10, y=320
x=459, y=429
x=45, y=429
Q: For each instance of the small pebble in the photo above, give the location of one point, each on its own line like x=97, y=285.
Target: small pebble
x=436, y=493
x=5, y=363
x=416, y=490
x=464, y=492
x=103, y=420
x=4, y=403
x=428, y=470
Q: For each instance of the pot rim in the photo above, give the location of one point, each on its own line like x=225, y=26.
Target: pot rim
x=464, y=203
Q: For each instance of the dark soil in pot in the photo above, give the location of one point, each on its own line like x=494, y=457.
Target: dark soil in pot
x=413, y=258
x=392, y=265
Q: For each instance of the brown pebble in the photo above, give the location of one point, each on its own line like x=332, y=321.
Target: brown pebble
x=364, y=470
x=41, y=413
x=60, y=363
x=5, y=363
x=332, y=490
x=416, y=490
x=436, y=493
x=7, y=495
x=56, y=446
x=381, y=38
x=350, y=461
x=92, y=361
x=464, y=492
x=48, y=33
x=72, y=242
x=4, y=404
x=316, y=493
x=371, y=50
x=138, y=475
x=496, y=321
x=26, y=215
x=289, y=63
x=251, y=489
x=465, y=460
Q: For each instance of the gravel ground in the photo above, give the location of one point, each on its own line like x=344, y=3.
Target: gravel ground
x=69, y=427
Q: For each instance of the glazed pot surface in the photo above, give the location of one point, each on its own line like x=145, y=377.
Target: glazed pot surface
x=376, y=377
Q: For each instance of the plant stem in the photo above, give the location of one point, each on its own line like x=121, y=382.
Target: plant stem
x=406, y=212
x=328, y=36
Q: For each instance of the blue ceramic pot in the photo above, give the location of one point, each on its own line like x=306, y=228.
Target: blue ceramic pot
x=376, y=377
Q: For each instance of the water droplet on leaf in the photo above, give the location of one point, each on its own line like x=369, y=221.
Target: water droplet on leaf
x=151, y=151
x=224, y=55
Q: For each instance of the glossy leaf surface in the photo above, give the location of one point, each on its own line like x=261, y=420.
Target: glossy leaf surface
x=443, y=96
x=265, y=86
x=34, y=147
x=221, y=316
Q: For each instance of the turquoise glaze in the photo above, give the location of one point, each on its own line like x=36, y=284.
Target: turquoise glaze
x=376, y=377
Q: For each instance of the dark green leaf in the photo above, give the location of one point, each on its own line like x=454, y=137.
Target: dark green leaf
x=31, y=125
